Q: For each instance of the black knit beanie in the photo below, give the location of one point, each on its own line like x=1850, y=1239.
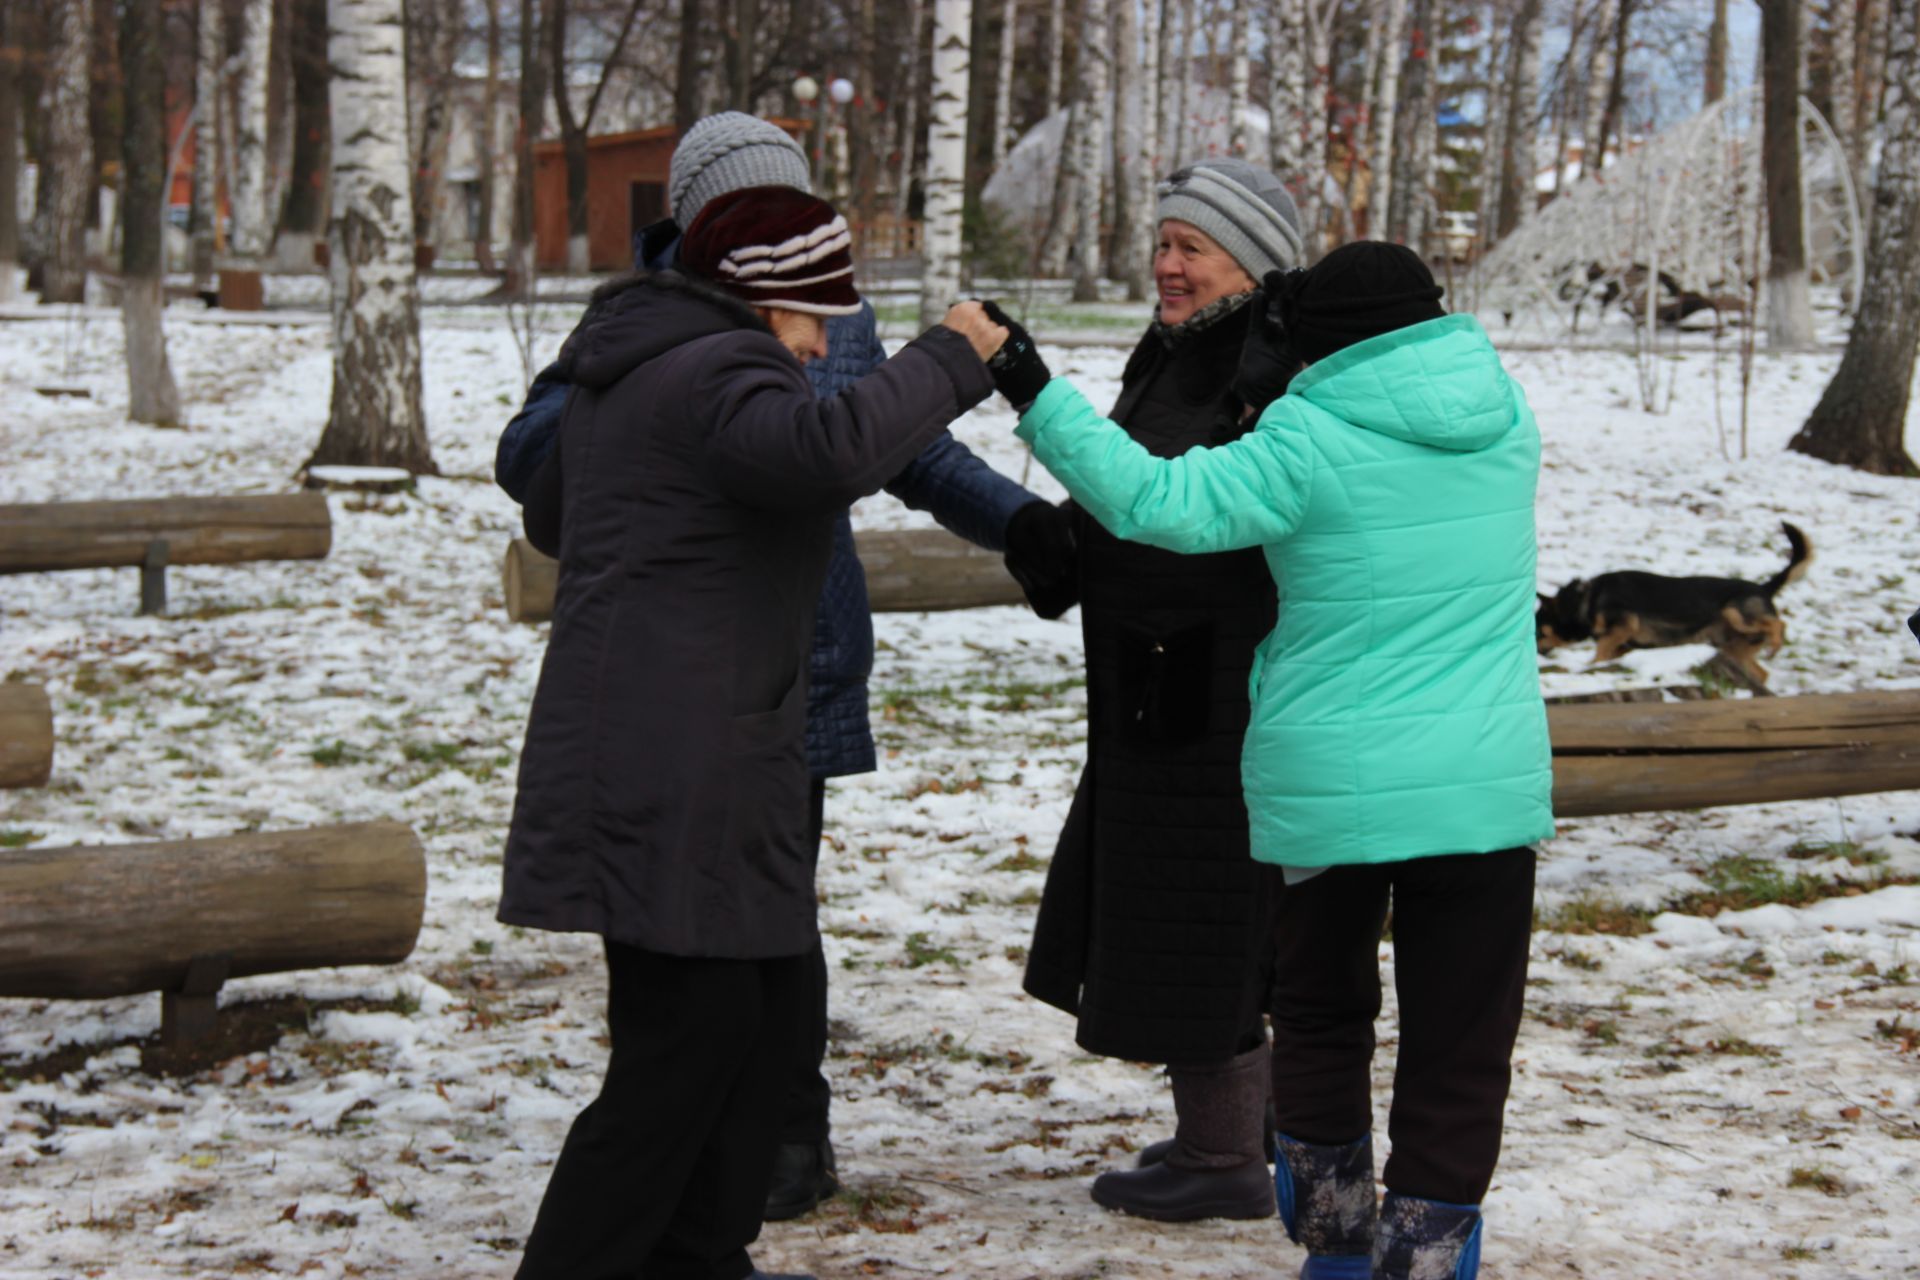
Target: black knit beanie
x=1358, y=291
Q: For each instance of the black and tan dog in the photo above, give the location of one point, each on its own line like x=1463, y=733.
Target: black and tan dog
x=1633, y=610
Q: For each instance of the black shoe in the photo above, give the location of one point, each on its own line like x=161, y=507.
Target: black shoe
x=1166, y=1193
x=803, y=1176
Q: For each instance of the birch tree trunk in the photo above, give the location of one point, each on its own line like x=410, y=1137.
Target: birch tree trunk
x=1183, y=119
x=435, y=70
x=1090, y=92
x=375, y=417
x=210, y=54
x=1521, y=121
x=70, y=138
x=1599, y=80
x=1287, y=93
x=252, y=227
x=9, y=152
x=910, y=103
x=1321, y=16
x=521, y=263
x=280, y=117
x=1716, y=69
x=305, y=219
x=1004, y=134
x=151, y=394
x=1843, y=103
x=1143, y=174
x=1373, y=14
x=489, y=141
x=946, y=159
x=1870, y=74
x=1131, y=121
x=1404, y=222
x=1056, y=54
x=686, y=75
x=1386, y=124
x=1239, y=80
x=1494, y=155
x=1166, y=61
x=1789, y=305
x=1861, y=418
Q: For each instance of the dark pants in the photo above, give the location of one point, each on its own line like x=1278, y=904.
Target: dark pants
x=666, y=1172
x=1461, y=929
x=803, y=1118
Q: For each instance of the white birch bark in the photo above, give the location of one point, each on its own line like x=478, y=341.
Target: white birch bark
x=1521, y=123
x=1145, y=173
x=1321, y=16
x=1287, y=92
x=252, y=227
x=1093, y=50
x=1003, y=131
x=1183, y=118
x=1239, y=81
x=1870, y=76
x=152, y=395
x=1166, y=97
x=1056, y=54
x=210, y=53
x=1843, y=103
x=910, y=104
x=1386, y=121
x=1599, y=81
x=375, y=417
x=946, y=182
x=1493, y=151
x=70, y=41
x=1373, y=15
x=1125, y=141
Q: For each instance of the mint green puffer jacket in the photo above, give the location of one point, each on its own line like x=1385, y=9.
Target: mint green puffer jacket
x=1397, y=709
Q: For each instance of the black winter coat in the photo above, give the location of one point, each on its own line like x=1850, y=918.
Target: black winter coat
x=1152, y=924
x=663, y=790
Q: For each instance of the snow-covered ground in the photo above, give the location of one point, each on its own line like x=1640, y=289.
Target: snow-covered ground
x=1707, y=1089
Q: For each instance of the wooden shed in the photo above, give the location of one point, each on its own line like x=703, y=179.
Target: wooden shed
x=626, y=190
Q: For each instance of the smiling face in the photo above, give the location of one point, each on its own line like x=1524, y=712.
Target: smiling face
x=1190, y=270
x=800, y=332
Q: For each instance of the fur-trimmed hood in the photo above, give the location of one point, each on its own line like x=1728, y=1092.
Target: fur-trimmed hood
x=635, y=318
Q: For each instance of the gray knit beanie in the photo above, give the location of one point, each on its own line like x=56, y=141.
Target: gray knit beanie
x=729, y=152
x=1242, y=206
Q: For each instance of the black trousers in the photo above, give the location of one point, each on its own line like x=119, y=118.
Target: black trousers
x=1461, y=929
x=665, y=1174
x=803, y=1117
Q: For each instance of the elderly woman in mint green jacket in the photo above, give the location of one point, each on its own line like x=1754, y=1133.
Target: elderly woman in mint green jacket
x=1398, y=748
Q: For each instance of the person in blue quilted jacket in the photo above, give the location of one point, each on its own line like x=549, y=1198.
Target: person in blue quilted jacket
x=729, y=152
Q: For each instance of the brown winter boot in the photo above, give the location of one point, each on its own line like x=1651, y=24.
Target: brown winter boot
x=1217, y=1168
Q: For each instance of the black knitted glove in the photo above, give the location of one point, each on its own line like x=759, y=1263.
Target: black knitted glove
x=1042, y=557
x=1018, y=371
x=1268, y=360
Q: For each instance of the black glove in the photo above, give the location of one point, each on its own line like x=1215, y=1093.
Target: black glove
x=1268, y=361
x=1042, y=557
x=1018, y=371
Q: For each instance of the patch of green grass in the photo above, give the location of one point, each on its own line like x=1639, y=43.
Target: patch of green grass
x=19, y=837
x=482, y=947
x=1574, y=958
x=1736, y=1047
x=1603, y=1030
x=1797, y=1253
x=1816, y=1178
x=1594, y=914
x=329, y=754
x=1019, y=860
x=431, y=752
x=1822, y=850
x=922, y=951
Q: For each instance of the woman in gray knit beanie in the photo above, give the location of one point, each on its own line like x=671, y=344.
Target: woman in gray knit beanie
x=1152, y=925
x=731, y=151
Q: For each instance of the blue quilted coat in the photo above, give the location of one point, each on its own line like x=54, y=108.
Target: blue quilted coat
x=962, y=492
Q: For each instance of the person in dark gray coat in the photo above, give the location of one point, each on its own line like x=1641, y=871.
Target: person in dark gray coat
x=664, y=792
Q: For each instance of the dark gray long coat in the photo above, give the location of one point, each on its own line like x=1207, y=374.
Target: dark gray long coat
x=664, y=788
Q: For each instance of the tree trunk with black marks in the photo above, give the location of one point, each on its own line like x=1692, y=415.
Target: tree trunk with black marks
x=533, y=96
x=151, y=393
x=375, y=417
x=69, y=136
x=252, y=228
x=210, y=56
x=489, y=140
x=9, y=149
x=1789, y=303
x=304, y=220
x=946, y=158
x=1861, y=419
x=1716, y=69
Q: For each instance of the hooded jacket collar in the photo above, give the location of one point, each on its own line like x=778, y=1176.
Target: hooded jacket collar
x=1438, y=383
x=636, y=318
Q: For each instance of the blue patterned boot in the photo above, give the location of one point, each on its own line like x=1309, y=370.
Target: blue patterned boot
x=1426, y=1240
x=1327, y=1202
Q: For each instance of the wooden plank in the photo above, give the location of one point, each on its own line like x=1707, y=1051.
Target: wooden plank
x=45, y=536
x=105, y=920
x=908, y=571
x=1586, y=785
x=1738, y=724
x=26, y=735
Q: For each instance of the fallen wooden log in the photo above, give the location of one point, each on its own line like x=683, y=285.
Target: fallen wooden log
x=182, y=916
x=26, y=736
x=152, y=533
x=908, y=571
x=1630, y=757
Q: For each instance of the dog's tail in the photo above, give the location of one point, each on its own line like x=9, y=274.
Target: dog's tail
x=1797, y=562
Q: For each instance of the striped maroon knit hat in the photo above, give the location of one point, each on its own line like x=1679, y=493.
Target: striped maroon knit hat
x=775, y=247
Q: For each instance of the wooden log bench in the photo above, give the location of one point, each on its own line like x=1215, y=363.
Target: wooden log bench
x=1630, y=757
x=908, y=571
x=26, y=736
x=152, y=533
x=182, y=916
